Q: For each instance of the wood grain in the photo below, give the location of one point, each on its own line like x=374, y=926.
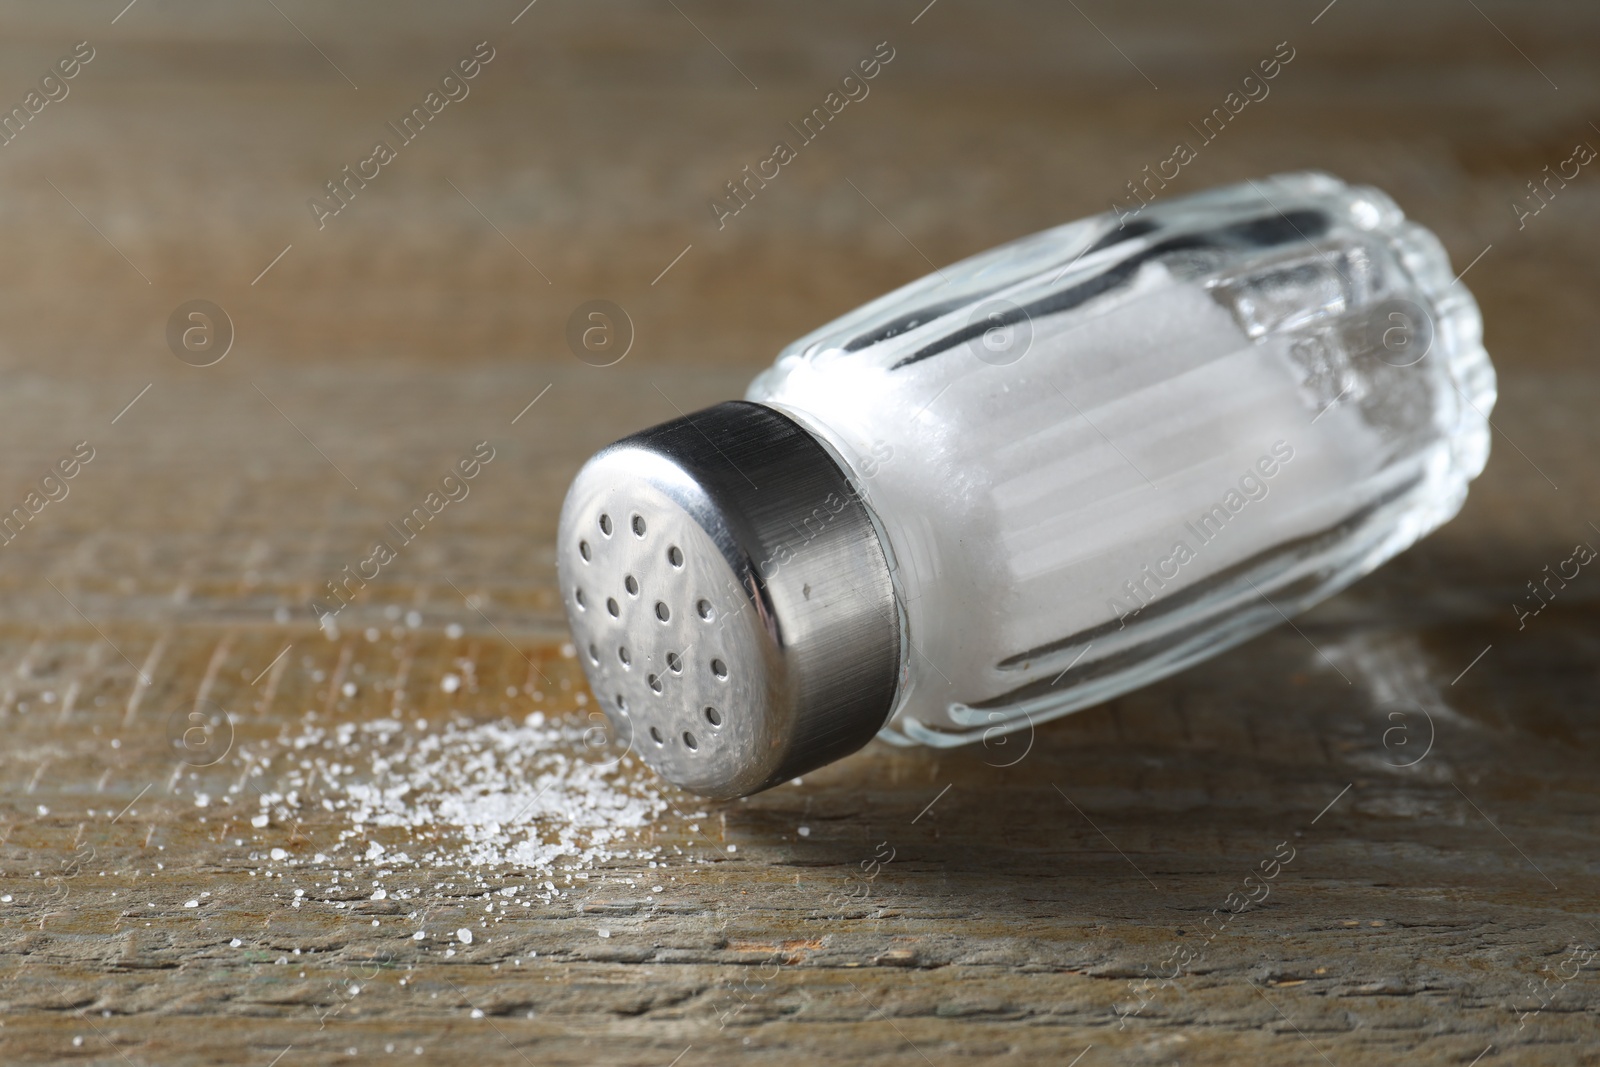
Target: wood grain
x=1436, y=909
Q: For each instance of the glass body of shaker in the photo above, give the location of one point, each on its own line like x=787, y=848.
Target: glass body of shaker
x=1101, y=453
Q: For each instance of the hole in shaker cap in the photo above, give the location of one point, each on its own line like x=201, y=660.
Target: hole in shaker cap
x=662, y=611
x=638, y=526
x=655, y=735
x=689, y=740
x=594, y=655
x=631, y=584
x=713, y=716
x=577, y=598
x=719, y=668
x=583, y=550
x=622, y=703
x=674, y=664
x=622, y=655
x=605, y=525
x=655, y=682
x=704, y=608
x=611, y=606
x=674, y=556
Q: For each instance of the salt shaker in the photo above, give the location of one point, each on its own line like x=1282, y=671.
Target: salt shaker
x=1029, y=482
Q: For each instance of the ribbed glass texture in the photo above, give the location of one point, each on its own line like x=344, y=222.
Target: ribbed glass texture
x=1101, y=453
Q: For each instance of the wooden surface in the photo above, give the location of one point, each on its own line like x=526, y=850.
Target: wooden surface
x=1432, y=769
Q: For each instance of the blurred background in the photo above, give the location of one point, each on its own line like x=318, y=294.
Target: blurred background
x=366, y=352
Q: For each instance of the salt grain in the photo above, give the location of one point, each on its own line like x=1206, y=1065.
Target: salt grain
x=464, y=935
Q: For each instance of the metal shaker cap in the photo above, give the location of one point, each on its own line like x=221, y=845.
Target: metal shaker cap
x=729, y=599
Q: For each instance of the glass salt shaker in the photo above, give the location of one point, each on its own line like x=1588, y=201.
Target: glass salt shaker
x=1031, y=481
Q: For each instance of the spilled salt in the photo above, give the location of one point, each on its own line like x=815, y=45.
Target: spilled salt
x=528, y=795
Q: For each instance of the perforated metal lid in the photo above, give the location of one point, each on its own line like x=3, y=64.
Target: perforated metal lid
x=729, y=599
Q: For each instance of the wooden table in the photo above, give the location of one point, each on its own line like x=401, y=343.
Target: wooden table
x=1438, y=907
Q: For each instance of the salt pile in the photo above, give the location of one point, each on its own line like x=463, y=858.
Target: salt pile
x=532, y=796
